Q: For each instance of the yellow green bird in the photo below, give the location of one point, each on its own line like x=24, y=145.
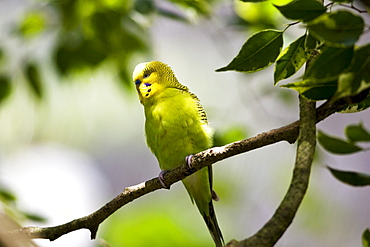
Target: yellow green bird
x=176, y=126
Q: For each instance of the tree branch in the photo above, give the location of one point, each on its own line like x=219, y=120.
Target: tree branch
x=287, y=133
x=271, y=232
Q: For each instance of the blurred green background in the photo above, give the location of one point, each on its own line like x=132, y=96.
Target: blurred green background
x=71, y=126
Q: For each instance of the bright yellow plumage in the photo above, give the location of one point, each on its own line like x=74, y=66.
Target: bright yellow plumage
x=176, y=126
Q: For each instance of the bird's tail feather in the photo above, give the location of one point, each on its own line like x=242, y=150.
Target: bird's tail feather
x=214, y=229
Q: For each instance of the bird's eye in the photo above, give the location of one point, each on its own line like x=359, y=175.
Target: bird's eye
x=137, y=82
x=146, y=75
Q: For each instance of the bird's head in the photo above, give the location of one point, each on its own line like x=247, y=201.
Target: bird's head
x=151, y=78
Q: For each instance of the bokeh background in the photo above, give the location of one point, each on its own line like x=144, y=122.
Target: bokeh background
x=73, y=138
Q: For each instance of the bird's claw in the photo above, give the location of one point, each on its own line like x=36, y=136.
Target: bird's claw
x=161, y=179
x=188, y=160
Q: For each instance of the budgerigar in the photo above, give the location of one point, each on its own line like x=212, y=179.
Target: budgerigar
x=176, y=126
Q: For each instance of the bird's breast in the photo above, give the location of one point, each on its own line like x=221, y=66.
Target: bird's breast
x=174, y=130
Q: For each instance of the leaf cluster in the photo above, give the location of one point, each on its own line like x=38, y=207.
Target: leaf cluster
x=85, y=35
x=354, y=134
x=338, y=68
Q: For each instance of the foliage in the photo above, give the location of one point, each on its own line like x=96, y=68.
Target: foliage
x=336, y=145
x=355, y=134
x=336, y=67
x=351, y=178
x=88, y=34
x=258, y=52
x=339, y=70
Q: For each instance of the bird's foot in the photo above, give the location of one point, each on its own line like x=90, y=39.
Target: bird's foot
x=188, y=160
x=161, y=179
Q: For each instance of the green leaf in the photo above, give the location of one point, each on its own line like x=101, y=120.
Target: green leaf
x=7, y=196
x=304, y=10
x=199, y=7
x=335, y=145
x=357, y=133
x=34, y=217
x=357, y=107
x=329, y=64
x=291, y=59
x=258, y=52
x=313, y=90
x=351, y=178
x=311, y=42
x=33, y=24
x=366, y=238
x=349, y=84
x=70, y=57
x=254, y=16
x=33, y=76
x=144, y=6
x=341, y=28
x=173, y=15
x=5, y=87
x=320, y=80
x=357, y=78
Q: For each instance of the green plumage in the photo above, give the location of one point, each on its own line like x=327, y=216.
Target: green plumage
x=176, y=126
